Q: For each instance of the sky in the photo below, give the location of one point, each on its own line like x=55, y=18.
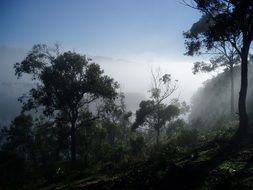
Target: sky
x=103, y=27
x=126, y=37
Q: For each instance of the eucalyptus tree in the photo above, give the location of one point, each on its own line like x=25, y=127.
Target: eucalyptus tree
x=230, y=21
x=67, y=83
x=154, y=113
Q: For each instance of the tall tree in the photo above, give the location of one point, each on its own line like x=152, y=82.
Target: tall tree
x=230, y=21
x=66, y=84
x=223, y=54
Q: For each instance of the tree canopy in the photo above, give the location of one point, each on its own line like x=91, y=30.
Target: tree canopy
x=66, y=84
x=228, y=22
x=154, y=113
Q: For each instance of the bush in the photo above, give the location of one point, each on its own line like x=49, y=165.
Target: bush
x=188, y=138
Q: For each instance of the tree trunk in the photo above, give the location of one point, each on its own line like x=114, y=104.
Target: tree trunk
x=73, y=141
x=243, y=117
x=232, y=97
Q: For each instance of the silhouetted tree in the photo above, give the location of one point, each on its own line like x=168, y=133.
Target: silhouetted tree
x=230, y=21
x=66, y=84
x=155, y=116
x=19, y=137
x=153, y=113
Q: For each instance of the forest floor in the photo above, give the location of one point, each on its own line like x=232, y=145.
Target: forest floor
x=217, y=165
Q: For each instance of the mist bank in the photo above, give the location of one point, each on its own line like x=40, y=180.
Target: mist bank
x=133, y=75
x=210, y=105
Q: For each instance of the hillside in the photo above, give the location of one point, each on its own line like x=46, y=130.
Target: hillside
x=212, y=166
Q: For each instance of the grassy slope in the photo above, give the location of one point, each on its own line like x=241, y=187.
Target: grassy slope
x=214, y=166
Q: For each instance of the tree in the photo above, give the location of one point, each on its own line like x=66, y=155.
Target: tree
x=154, y=116
x=154, y=113
x=116, y=119
x=230, y=21
x=222, y=54
x=66, y=84
x=19, y=137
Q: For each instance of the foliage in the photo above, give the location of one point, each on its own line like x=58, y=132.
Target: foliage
x=137, y=147
x=153, y=113
x=228, y=22
x=188, y=138
x=68, y=83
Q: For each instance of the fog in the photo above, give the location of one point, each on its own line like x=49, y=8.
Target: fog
x=132, y=73
x=211, y=104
